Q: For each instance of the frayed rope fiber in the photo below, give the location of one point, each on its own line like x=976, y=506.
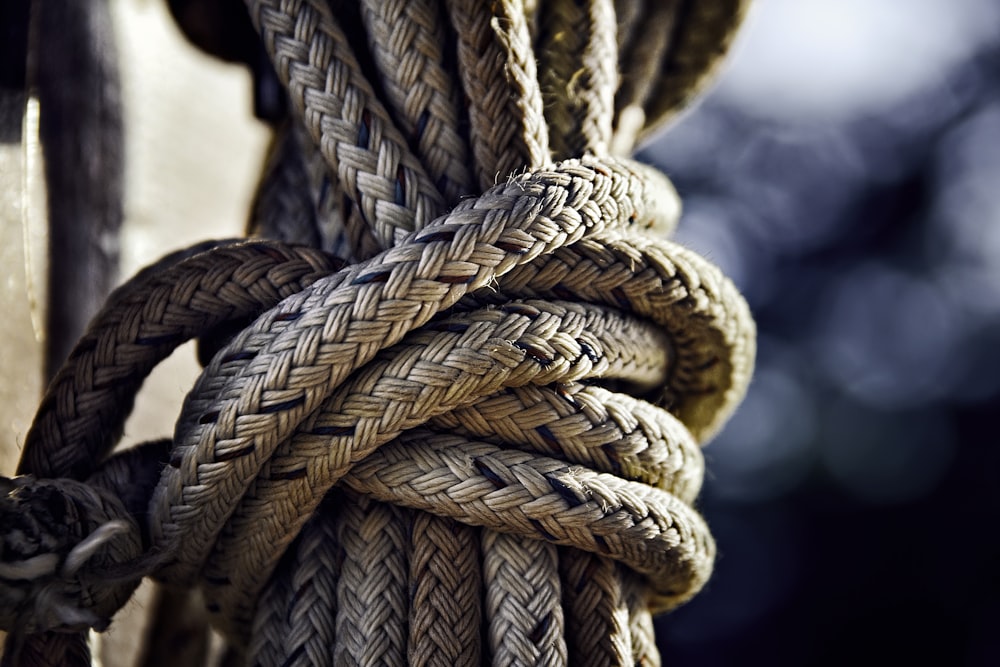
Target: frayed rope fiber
x=455, y=383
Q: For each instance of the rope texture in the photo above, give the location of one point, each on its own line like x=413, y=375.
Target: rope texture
x=459, y=421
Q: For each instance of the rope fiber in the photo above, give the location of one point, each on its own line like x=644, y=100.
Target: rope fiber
x=456, y=382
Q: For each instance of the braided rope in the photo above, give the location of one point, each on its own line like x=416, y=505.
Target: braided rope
x=312, y=606
x=305, y=347
x=508, y=132
x=445, y=609
x=644, y=651
x=382, y=458
x=372, y=586
x=578, y=74
x=375, y=168
x=448, y=367
x=598, y=631
x=523, y=606
x=507, y=124
x=407, y=39
x=270, y=623
x=607, y=431
x=86, y=404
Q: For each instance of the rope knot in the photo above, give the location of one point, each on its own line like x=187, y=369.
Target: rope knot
x=490, y=409
x=58, y=539
x=407, y=379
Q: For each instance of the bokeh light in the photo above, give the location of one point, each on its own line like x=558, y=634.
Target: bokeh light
x=845, y=174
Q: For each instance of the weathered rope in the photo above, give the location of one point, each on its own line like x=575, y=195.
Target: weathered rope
x=86, y=404
x=578, y=56
x=373, y=305
x=408, y=41
x=424, y=454
x=507, y=125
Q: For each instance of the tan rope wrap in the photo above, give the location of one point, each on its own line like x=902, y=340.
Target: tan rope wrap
x=424, y=456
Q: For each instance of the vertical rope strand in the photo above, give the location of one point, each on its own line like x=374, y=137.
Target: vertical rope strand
x=407, y=39
x=447, y=599
x=523, y=601
x=578, y=56
x=312, y=606
x=354, y=131
x=644, y=650
x=373, y=587
x=342, y=230
x=270, y=623
x=597, y=619
x=497, y=67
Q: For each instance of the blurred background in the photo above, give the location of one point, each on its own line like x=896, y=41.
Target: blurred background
x=845, y=173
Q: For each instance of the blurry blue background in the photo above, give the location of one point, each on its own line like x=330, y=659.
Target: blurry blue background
x=845, y=173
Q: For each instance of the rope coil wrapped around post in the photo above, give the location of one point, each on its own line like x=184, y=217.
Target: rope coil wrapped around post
x=479, y=407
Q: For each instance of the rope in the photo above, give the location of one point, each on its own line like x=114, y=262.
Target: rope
x=408, y=41
x=578, y=56
x=446, y=576
x=507, y=125
x=464, y=424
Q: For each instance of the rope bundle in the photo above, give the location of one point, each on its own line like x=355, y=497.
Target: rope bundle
x=468, y=429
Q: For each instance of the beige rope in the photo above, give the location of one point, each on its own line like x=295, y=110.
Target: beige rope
x=610, y=432
x=509, y=133
x=598, y=628
x=442, y=388
x=270, y=624
x=372, y=586
x=523, y=601
x=497, y=69
x=311, y=609
x=366, y=302
x=446, y=577
x=407, y=39
x=375, y=168
x=362, y=421
x=86, y=404
x=578, y=74
x=644, y=651
x=647, y=529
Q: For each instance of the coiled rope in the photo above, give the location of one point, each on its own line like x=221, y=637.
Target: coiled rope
x=465, y=431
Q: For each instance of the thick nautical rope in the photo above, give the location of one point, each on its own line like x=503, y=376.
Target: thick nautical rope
x=390, y=453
